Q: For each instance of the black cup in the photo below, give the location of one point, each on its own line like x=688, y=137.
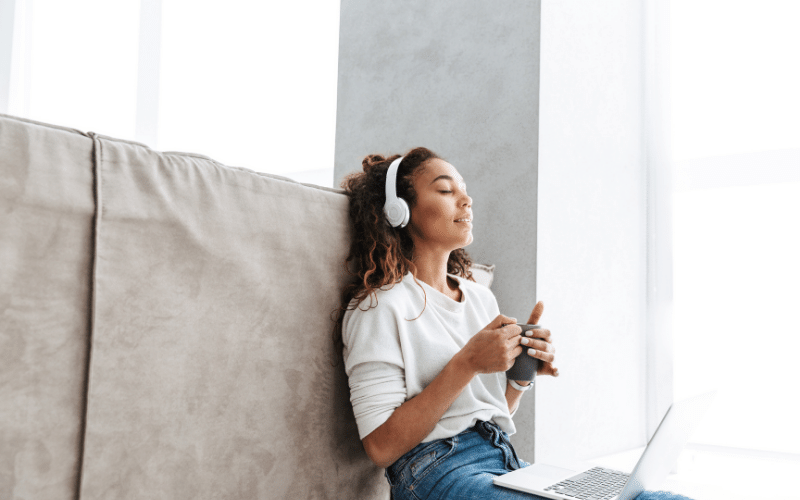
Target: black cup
x=525, y=366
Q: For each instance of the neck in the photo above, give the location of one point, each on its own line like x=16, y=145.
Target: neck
x=431, y=267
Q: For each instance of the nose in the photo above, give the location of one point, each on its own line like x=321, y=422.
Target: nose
x=467, y=201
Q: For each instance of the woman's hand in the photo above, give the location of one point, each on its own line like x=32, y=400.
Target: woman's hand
x=540, y=343
x=494, y=348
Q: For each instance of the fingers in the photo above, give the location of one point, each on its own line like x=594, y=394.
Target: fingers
x=511, y=355
x=501, y=320
x=539, y=333
x=536, y=314
x=539, y=345
x=540, y=350
x=507, y=325
x=543, y=355
x=547, y=369
x=539, y=342
x=512, y=330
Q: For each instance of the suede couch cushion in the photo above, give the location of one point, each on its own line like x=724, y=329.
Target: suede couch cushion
x=211, y=372
x=483, y=274
x=46, y=211
x=206, y=294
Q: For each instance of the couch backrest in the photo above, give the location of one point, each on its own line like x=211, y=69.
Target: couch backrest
x=46, y=213
x=205, y=293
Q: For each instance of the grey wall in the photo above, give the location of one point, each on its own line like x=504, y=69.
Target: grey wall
x=461, y=78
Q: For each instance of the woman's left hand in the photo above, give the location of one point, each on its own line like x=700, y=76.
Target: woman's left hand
x=541, y=346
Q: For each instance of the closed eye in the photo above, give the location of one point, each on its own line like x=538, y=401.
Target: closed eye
x=445, y=191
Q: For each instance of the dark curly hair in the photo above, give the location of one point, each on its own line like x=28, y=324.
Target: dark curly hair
x=380, y=254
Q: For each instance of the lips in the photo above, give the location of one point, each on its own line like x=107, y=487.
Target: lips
x=466, y=222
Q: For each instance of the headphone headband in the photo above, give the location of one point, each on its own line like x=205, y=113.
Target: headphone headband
x=391, y=180
x=396, y=209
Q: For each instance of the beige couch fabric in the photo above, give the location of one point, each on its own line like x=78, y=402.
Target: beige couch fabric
x=165, y=327
x=211, y=372
x=46, y=211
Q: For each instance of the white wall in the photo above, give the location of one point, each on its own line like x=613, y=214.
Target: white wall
x=591, y=260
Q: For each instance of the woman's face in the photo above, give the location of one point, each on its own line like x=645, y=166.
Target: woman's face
x=441, y=219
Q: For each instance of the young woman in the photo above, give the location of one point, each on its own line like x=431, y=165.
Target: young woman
x=425, y=347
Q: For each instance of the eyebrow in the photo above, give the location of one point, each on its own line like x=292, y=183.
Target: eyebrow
x=447, y=177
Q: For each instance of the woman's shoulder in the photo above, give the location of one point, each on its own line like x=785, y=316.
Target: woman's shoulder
x=381, y=307
x=379, y=300
x=475, y=288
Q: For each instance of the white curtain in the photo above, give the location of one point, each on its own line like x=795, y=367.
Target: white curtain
x=249, y=84
x=736, y=218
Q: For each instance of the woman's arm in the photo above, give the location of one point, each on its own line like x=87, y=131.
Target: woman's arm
x=491, y=350
x=513, y=396
x=413, y=420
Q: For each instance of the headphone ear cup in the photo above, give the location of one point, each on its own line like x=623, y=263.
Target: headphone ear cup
x=406, y=212
x=395, y=209
x=397, y=212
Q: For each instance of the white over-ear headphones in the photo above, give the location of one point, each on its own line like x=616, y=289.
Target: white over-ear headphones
x=396, y=209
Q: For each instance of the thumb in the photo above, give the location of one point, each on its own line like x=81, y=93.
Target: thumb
x=536, y=314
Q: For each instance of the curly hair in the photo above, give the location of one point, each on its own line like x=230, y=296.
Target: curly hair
x=380, y=254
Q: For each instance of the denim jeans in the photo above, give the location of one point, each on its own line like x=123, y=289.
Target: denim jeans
x=464, y=466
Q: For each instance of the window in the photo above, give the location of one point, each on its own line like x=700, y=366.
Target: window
x=249, y=84
x=735, y=71
x=74, y=64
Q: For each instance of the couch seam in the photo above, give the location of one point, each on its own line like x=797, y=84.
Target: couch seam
x=43, y=124
x=97, y=158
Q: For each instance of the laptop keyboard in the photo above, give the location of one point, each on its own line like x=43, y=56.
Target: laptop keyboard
x=596, y=483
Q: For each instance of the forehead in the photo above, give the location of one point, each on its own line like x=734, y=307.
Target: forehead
x=437, y=169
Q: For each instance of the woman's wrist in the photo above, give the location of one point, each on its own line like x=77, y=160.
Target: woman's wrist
x=520, y=385
x=462, y=362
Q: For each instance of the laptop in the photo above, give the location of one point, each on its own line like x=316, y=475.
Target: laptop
x=600, y=483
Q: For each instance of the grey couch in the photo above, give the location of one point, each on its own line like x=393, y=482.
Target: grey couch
x=165, y=327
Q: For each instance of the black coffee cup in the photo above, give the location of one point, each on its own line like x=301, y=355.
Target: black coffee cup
x=525, y=366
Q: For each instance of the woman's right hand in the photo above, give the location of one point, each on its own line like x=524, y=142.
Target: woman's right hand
x=494, y=348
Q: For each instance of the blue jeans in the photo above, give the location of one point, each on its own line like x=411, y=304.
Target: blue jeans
x=463, y=467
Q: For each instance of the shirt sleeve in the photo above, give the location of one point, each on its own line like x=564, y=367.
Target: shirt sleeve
x=374, y=365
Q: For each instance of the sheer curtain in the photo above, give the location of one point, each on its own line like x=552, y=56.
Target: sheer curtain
x=249, y=84
x=735, y=75
x=74, y=64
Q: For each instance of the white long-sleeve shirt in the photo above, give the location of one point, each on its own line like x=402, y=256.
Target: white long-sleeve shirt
x=389, y=359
